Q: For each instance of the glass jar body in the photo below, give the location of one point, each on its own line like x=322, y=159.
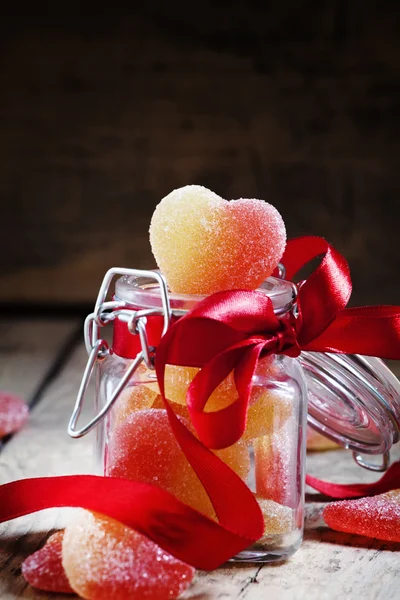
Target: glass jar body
x=135, y=441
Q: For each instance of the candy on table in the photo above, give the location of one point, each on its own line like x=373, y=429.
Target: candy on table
x=277, y=518
x=204, y=244
x=131, y=399
x=375, y=516
x=316, y=441
x=144, y=448
x=43, y=569
x=105, y=560
x=276, y=465
x=13, y=413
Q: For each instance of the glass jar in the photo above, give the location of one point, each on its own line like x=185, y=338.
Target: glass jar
x=351, y=399
x=269, y=457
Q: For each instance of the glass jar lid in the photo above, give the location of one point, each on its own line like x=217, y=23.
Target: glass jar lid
x=352, y=399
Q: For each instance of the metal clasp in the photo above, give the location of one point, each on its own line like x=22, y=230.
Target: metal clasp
x=105, y=312
x=379, y=468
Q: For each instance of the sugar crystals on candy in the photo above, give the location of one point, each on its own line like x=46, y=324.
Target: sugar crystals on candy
x=177, y=380
x=276, y=464
x=278, y=519
x=204, y=244
x=266, y=414
x=375, y=516
x=43, y=569
x=131, y=399
x=144, y=448
x=105, y=560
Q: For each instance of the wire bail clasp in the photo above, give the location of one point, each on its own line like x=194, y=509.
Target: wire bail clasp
x=97, y=348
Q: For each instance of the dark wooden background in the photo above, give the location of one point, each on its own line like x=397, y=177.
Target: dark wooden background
x=104, y=110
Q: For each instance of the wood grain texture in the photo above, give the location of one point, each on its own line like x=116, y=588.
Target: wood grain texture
x=101, y=116
x=42, y=448
x=28, y=349
x=328, y=566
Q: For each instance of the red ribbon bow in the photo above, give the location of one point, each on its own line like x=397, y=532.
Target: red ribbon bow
x=231, y=330
x=226, y=331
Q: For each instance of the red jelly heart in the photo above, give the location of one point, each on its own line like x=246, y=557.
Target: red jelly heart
x=13, y=413
x=43, y=569
x=375, y=516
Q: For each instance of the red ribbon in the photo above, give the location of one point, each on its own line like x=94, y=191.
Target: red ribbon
x=226, y=331
x=389, y=481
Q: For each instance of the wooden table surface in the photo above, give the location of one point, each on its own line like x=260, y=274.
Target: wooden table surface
x=42, y=360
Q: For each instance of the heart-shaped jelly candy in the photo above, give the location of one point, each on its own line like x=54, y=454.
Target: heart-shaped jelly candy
x=204, y=244
x=105, y=560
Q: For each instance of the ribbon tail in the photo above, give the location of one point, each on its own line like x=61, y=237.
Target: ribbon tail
x=339, y=491
x=369, y=330
x=177, y=528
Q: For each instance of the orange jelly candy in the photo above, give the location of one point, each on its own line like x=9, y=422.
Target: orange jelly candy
x=266, y=414
x=204, y=244
x=144, y=448
x=177, y=380
x=131, y=399
x=318, y=442
x=277, y=518
x=267, y=410
x=43, y=569
x=105, y=560
x=179, y=409
x=376, y=516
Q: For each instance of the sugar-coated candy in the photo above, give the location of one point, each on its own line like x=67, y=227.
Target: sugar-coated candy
x=277, y=518
x=236, y=456
x=374, y=516
x=13, y=413
x=177, y=380
x=276, y=464
x=266, y=413
x=179, y=409
x=144, y=448
x=43, y=569
x=132, y=398
x=105, y=560
x=204, y=244
x=318, y=442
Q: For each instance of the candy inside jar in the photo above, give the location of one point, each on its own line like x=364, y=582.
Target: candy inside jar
x=135, y=440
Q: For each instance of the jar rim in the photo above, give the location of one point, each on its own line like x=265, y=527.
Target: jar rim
x=143, y=292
